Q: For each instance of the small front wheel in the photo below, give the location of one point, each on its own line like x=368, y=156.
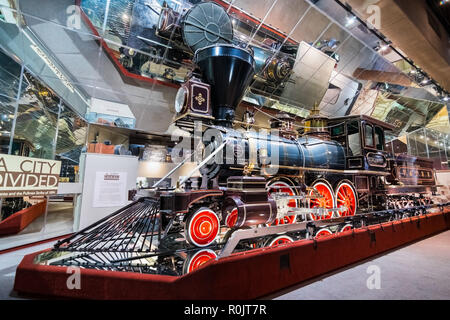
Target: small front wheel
x=202, y=227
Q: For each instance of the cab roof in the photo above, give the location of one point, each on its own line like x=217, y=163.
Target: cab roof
x=384, y=125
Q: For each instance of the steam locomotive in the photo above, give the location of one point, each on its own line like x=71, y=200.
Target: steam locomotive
x=331, y=168
x=257, y=188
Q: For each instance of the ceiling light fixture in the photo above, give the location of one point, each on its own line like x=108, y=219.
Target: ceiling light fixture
x=384, y=48
x=350, y=21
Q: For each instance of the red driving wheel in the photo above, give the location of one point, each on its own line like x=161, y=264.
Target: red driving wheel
x=231, y=218
x=325, y=202
x=283, y=187
x=280, y=240
x=323, y=233
x=346, y=228
x=202, y=227
x=346, y=196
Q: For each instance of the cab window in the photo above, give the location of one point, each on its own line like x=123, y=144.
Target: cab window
x=369, y=135
x=337, y=130
x=338, y=134
x=379, y=138
x=354, y=140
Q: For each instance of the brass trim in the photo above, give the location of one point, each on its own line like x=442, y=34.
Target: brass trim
x=413, y=186
x=247, y=190
x=327, y=170
x=250, y=182
x=197, y=115
x=333, y=170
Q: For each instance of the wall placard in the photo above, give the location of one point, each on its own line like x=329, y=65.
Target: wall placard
x=23, y=176
x=110, y=189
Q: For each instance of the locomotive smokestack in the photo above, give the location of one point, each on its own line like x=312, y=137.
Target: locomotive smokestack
x=229, y=70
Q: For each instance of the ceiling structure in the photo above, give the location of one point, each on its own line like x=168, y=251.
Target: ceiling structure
x=362, y=64
x=414, y=27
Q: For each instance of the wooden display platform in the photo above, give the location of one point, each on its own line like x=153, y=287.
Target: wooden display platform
x=21, y=219
x=248, y=275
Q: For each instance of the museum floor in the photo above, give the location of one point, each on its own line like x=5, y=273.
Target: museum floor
x=59, y=221
x=417, y=271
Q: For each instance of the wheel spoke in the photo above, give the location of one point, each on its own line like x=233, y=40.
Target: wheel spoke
x=346, y=196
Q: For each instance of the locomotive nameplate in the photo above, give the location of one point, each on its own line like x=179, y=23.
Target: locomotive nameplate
x=200, y=99
x=415, y=174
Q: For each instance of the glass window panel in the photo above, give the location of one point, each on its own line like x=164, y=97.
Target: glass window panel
x=64, y=14
x=7, y=107
x=259, y=11
x=290, y=11
x=9, y=76
x=311, y=27
x=411, y=145
x=337, y=130
x=67, y=68
x=379, y=138
x=37, y=117
x=70, y=142
x=9, y=86
x=354, y=140
x=369, y=135
x=421, y=143
x=21, y=146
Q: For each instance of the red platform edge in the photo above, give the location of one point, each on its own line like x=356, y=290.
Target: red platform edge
x=21, y=219
x=241, y=276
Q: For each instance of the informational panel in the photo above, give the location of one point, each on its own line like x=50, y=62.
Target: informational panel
x=110, y=189
x=106, y=181
x=23, y=176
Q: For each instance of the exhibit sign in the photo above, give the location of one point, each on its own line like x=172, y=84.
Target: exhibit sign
x=110, y=189
x=23, y=176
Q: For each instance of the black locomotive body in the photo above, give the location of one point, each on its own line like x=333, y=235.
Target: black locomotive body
x=342, y=167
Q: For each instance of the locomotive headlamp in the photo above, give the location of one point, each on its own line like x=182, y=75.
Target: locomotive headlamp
x=181, y=100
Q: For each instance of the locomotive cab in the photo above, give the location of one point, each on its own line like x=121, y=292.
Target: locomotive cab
x=363, y=139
